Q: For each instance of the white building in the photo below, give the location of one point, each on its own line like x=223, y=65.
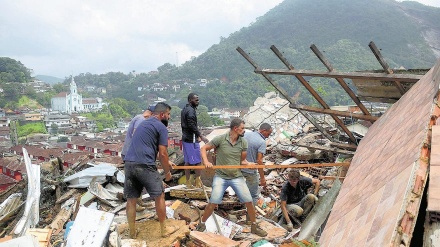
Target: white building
x=73, y=102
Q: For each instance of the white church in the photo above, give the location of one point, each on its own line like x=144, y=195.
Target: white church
x=74, y=102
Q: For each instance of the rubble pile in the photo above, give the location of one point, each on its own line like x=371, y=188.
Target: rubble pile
x=84, y=201
x=99, y=187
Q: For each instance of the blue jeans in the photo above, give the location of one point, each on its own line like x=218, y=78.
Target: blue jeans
x=253, y=183
x=219, y=185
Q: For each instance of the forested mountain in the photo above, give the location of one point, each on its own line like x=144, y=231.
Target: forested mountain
x=407, y=33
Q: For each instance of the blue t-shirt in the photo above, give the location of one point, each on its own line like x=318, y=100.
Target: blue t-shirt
x=146, y=140
x=256, y=144
x=134, y=123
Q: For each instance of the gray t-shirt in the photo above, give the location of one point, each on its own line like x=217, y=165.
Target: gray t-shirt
x=256, y=144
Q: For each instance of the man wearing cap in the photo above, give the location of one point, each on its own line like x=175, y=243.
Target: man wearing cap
x=191, y=138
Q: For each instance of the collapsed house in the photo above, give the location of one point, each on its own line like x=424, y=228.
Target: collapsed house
x=372, y=191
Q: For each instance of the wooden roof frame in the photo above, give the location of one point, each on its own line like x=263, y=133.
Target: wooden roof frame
x=388, y=75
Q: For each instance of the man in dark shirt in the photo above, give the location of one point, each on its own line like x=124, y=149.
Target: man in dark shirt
x=295, y=198
x=141, y=172
x=191, y=138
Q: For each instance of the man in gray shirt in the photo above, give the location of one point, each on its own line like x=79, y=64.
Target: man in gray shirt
x=256, y=149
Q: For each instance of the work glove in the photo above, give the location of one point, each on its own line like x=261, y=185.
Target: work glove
x=290, y=226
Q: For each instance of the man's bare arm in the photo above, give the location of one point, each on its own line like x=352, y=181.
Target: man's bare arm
x=243, y=160
x=204, y=153
x=164, y=161
x=317, y=184
x=261, y=170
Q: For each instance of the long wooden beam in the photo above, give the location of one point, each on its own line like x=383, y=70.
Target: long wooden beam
x=349, y=75
x=335, y=112
x=201, y=167
x=343, y=145
x=324, y=148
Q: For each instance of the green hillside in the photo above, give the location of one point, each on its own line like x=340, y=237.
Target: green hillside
x=341, y=28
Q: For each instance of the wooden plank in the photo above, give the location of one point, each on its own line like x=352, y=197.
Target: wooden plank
x=201, y=167
x=209, y=239
x=43, y=235
x=349, y=75
x=334, y=112
x=324, y=148
x=343, y=145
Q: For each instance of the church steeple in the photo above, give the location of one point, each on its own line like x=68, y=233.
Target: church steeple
x=72, y=86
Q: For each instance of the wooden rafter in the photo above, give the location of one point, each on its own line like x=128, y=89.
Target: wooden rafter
x=385, y=66
x=285, y=94
x=335, y=112
x=313, y=92
x=341, y=81
x=349, y=75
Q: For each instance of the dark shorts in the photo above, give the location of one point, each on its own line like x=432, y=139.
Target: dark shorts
x=139, y=176
x=191, y=153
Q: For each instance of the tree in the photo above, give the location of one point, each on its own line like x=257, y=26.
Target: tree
x=175, y=112
x=204, y=119
x=59, y=88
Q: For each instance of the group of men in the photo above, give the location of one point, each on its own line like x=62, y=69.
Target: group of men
x=147, y=139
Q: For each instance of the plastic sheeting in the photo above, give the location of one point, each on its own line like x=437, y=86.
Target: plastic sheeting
x=31, y=214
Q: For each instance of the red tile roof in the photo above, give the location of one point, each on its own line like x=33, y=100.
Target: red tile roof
x=6, y=180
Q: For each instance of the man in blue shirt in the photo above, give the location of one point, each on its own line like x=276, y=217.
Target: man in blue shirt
x=134, y=123
x=141, y=172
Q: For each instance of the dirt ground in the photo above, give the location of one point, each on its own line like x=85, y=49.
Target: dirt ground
x=149, y=232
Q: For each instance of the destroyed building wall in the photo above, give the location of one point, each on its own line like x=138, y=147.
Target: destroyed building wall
x=380, y=197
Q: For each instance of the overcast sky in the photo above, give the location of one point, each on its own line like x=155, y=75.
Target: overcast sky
x=62, y=37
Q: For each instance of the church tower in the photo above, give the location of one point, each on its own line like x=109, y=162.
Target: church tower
x=74, y=103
